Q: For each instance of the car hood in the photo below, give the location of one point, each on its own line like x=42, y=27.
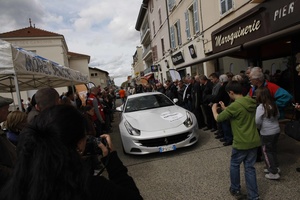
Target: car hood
x=157, y=119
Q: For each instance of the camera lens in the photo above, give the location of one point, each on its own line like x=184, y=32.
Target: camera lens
x=98, y=140
x=92, y=147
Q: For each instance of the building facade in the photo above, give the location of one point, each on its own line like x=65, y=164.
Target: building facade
x=99, y=77
x=143, y=27
x=53, y=46
x=79, y=62
x=138, y=63
x=224, y=36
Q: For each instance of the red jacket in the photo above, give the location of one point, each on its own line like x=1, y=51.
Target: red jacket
x=90, y=101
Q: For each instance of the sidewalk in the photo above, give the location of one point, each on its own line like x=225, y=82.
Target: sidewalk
x=287, y=187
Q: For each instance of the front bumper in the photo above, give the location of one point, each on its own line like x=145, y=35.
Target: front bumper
x=159, y=141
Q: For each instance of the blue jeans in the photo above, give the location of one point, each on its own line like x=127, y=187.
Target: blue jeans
x=226, y=127
x=248, y=157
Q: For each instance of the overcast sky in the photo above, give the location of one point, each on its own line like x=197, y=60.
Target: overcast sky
x=102, y=29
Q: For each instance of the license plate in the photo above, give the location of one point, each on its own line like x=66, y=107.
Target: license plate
x=167, y=148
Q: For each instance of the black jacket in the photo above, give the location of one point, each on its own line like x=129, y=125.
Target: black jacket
x=171, y=91
x=8, y=156
x=197, y=96
x=119, y=186
x=207, y=92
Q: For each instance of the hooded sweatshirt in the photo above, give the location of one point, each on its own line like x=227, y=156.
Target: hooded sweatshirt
x=241, y=114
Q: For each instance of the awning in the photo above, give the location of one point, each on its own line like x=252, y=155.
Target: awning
x=250, y=44
x=217, y=55
x=148, y=76
x=142, y=81
x=22, y=70
x=276, y=35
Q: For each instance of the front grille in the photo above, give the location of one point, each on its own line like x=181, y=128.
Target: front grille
x=164, y=140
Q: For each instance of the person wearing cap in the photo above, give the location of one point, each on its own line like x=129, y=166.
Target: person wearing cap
x=8, y=153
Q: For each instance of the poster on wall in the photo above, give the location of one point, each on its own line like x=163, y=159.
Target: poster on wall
x=192, y=51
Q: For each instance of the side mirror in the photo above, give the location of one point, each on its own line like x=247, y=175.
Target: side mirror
x=175, y=100
x=119, y=109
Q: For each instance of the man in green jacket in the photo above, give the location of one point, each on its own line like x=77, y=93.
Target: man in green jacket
x=241, y=114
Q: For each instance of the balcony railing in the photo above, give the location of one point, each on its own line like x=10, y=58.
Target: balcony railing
x=145, y=36
x=147, y=51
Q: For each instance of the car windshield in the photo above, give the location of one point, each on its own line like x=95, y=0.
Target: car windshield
x=147, y=102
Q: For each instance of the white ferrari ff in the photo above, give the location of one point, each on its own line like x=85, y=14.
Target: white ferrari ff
x=151, y=122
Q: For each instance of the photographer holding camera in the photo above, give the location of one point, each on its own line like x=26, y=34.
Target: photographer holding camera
x=50, y=164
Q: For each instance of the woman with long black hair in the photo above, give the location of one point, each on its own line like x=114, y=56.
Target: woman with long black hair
x=50, y=165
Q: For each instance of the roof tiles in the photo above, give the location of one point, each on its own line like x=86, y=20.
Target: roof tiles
x=29, y=32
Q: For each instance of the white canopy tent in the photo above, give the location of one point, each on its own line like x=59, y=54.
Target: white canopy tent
x=22, y=70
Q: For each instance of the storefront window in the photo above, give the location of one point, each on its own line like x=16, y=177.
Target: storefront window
x=182, y=73
x=197, y=70
x=231, y=67
x=281, y=71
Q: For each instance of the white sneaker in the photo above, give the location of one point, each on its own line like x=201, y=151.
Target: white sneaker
x=267, y=171
x=272, y=176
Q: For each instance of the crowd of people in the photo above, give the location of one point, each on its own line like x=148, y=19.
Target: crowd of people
x=42, y=151
x=242, y=110
x=48, y=140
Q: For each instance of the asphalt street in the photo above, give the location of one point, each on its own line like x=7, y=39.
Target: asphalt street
x=202, y=171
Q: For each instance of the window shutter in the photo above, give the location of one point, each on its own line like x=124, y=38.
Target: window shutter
x=171, y=4
x=223, y=6
x=172, y=37
x=159, y=15
x=179, y=33
x=151, y=6
x=229, y=4
x=154, y=53
x=196, y=16
x=187, y=24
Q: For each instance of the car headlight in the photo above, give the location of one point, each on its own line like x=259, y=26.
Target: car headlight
x=131, y=130
x=189, y=120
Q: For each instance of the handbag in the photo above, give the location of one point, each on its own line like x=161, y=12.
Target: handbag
x=292, y=129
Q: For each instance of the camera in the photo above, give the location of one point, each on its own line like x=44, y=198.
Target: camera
x=91, y=147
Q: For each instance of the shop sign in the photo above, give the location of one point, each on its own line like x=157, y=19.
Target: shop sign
x=154, y=68
x=247, y=30
x=240, y=32
x=177, y=58
x=283, y=14
x=264, y=19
